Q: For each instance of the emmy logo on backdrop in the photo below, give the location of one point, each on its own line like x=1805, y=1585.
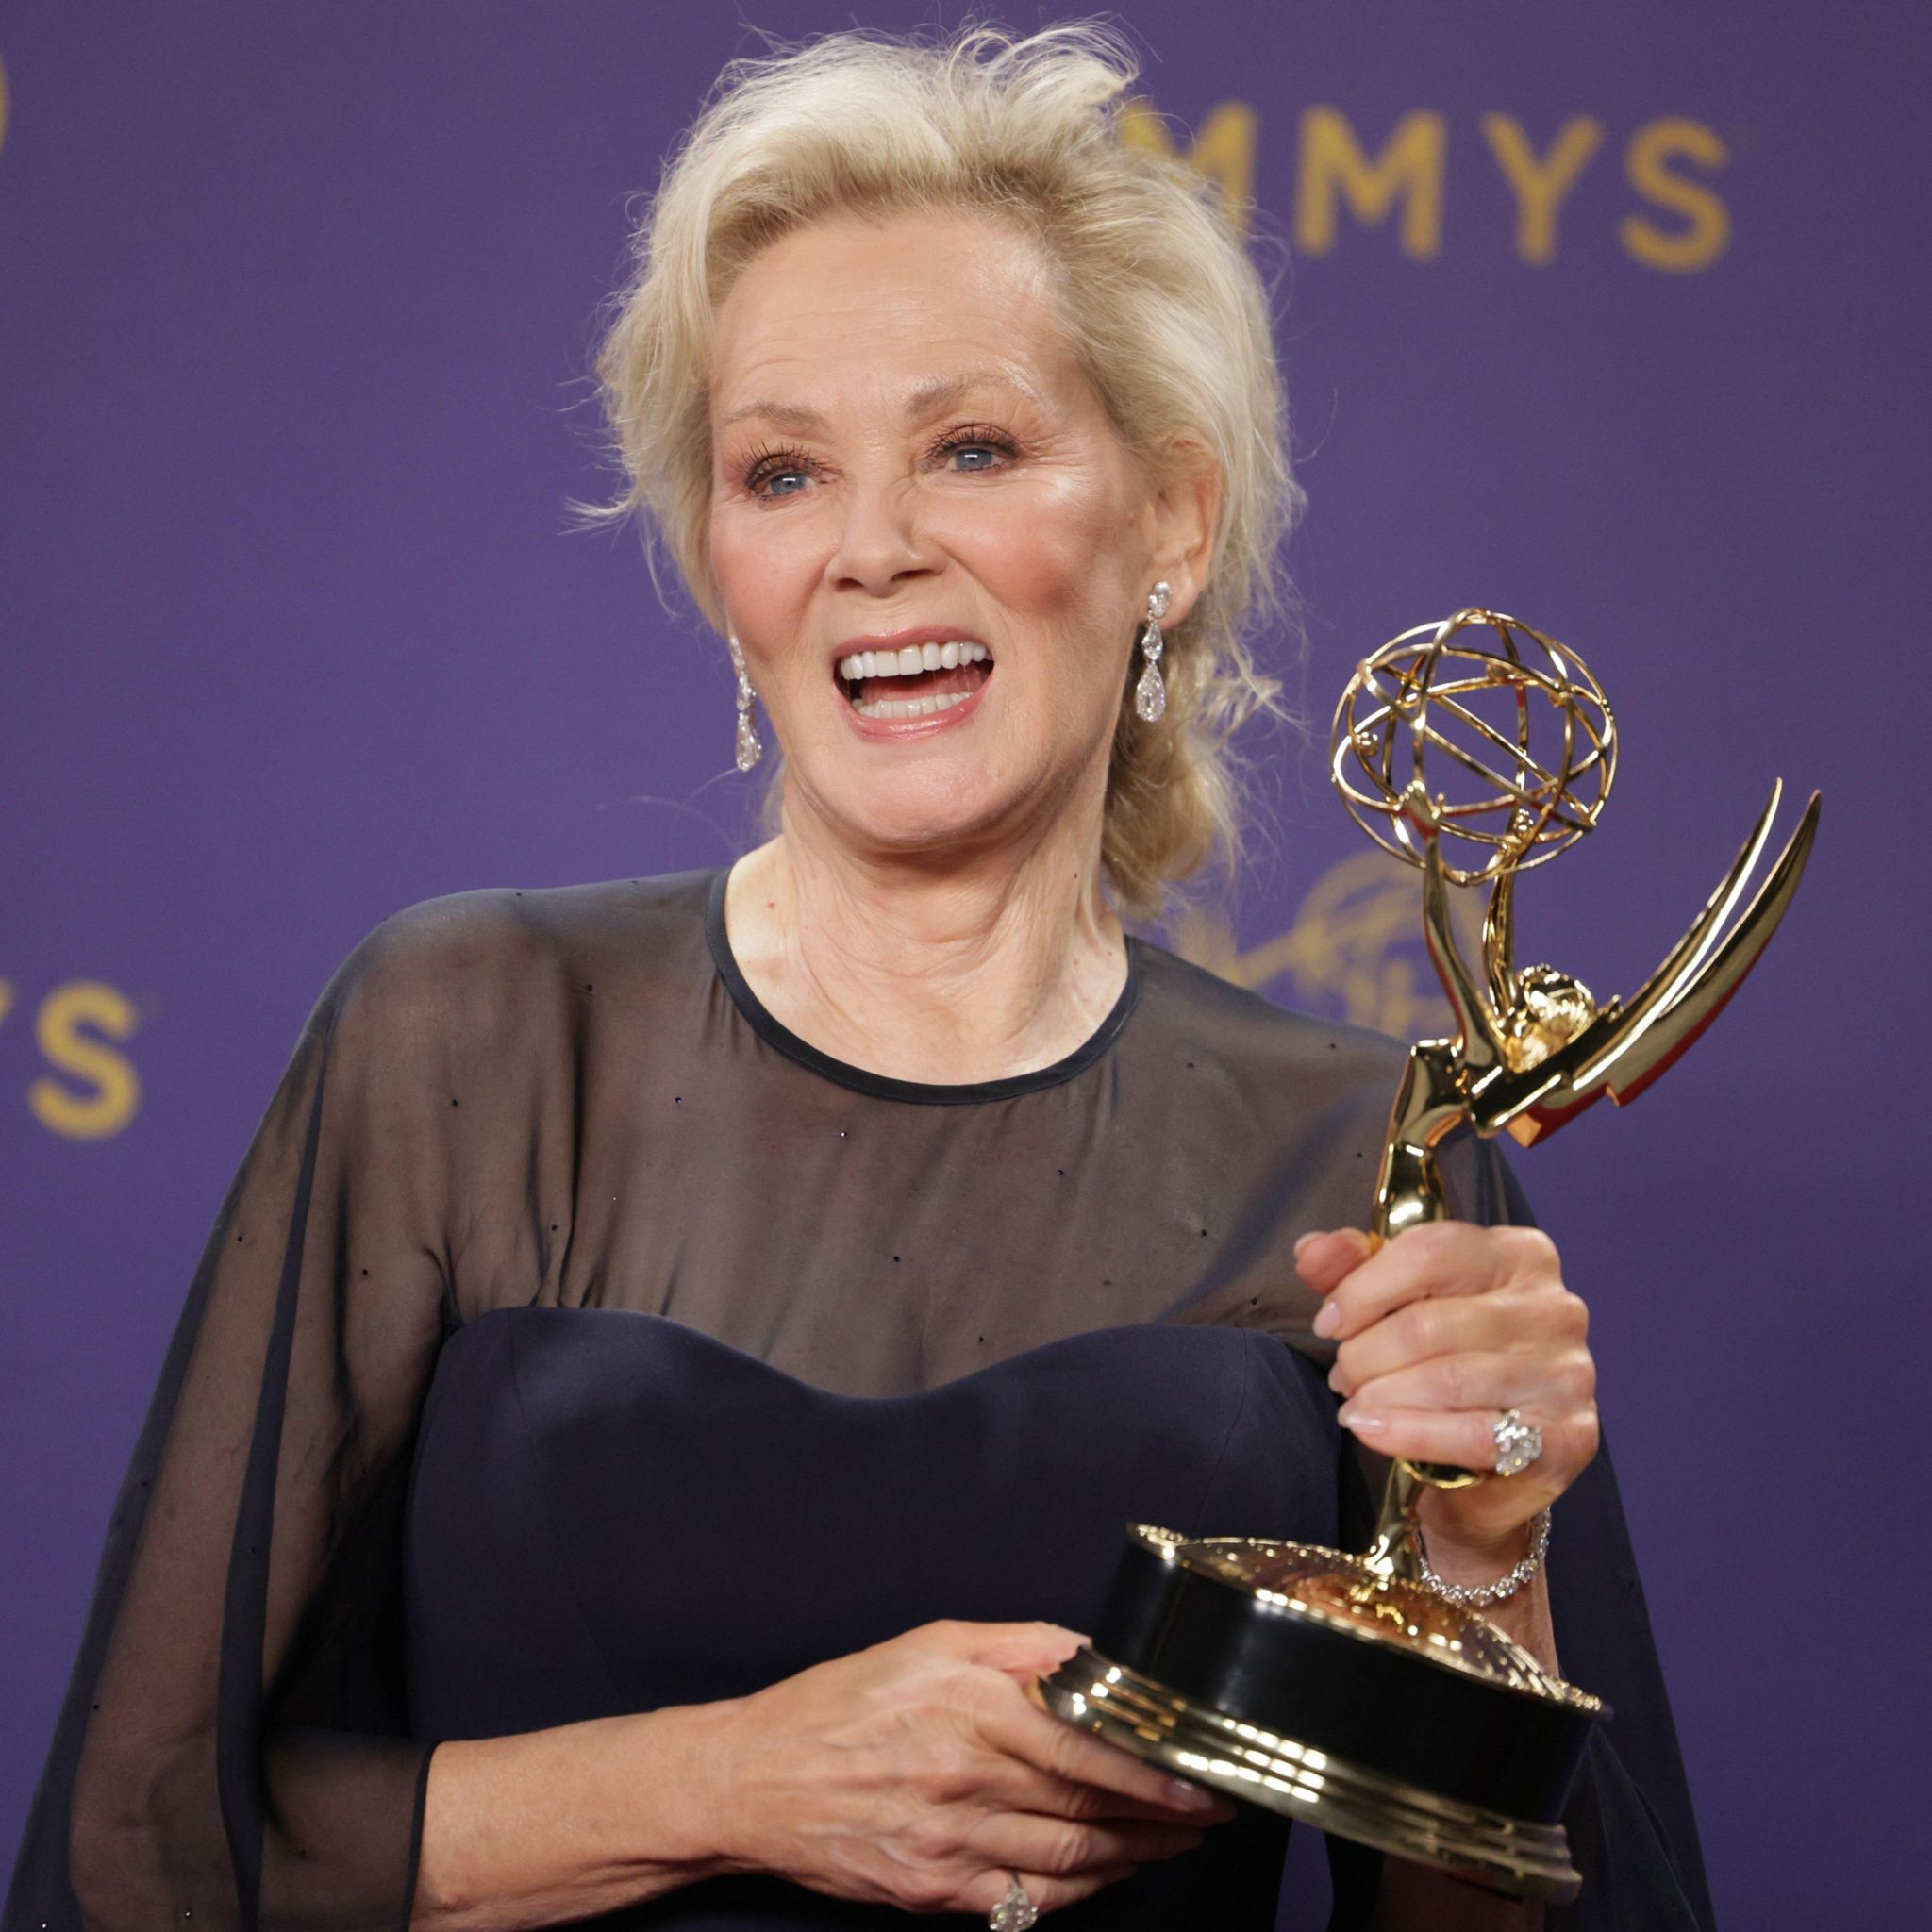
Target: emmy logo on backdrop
x=1347, y=1690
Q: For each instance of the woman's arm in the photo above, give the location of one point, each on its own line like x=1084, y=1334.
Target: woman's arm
x=1524, y=1616
x=1415, y=1898
x=1438, y=1332
x=567, y=1822
x=916, y=1773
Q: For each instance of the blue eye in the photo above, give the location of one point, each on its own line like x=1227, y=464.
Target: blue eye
x=775, y=466
x=777, y=473
x=985, y=447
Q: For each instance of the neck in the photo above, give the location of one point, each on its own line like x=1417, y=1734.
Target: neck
x=948, y=969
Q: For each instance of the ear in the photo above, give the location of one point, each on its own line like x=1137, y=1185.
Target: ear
x=1184, y=518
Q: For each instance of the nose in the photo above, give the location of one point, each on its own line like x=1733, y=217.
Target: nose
x=881, y=543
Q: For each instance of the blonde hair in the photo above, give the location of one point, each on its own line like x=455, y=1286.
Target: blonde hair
x=1164, y=310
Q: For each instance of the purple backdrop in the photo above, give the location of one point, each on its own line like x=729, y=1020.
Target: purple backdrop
x=296, y=309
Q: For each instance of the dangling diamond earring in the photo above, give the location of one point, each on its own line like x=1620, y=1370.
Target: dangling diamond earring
x=750, y=750
x=1150, y=695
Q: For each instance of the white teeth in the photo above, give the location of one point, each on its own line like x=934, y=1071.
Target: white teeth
x=909, y=661
x=911, y=708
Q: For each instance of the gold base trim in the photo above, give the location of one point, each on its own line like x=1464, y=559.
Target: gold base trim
x=1511, y=1855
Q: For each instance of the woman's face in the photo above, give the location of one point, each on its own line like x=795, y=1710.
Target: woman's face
x=907, y=457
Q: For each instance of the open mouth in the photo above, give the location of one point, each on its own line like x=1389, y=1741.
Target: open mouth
x=916, y=680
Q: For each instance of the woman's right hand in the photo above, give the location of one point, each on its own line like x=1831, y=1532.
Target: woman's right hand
x=919, y=1774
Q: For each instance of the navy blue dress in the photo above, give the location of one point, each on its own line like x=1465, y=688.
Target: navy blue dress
x=576, y=1341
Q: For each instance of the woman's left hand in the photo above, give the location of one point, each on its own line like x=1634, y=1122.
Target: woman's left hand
x=1441, y=1330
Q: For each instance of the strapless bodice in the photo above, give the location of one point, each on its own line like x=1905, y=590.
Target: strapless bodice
x=611, y=1511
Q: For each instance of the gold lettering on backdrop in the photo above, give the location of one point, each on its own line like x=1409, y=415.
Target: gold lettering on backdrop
x=1410, y=168
x=1223, y=150
x=1707, y=220
x=1540, y=182
x=91, y=1116
x=1355, y=950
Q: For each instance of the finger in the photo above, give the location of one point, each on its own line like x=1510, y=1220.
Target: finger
x=1018, y=1649
x=1463, y=1437
x=1062, y=1849
x=1428, y=1330
x=1441, y=1258
x=1080, y=1757
x=1326, y=1259
x=1505, y=1321
x=1047, y=1894
x=1023, y=1786
x=1492, y=1380
x=1540, y=1325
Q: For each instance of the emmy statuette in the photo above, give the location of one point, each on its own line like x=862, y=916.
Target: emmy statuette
x=1344, y=1690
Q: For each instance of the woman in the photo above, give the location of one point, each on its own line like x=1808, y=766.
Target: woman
x=670, y=1338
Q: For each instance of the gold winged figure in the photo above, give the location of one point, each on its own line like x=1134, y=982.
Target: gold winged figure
x=1520, y=715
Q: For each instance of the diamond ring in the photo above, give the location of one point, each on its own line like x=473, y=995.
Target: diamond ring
x=1016, y=1912
x=1517, y=1443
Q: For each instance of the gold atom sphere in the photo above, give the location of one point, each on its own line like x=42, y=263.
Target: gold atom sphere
x=1512, y=721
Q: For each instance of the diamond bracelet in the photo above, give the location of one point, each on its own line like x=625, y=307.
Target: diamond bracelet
x=1477, y=1596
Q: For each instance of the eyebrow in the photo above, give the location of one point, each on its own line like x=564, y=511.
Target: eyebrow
x=937, y=393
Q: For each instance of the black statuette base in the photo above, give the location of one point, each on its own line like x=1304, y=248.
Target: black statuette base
x=1366, y=1736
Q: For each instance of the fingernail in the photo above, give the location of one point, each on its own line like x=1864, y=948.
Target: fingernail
x=1188, y=1797
x=1362, y=1425
x=1301, y=1242
x=1327, y=1319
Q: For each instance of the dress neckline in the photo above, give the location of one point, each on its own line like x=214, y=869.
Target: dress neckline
x=775, y=1034
x=1158, y=1335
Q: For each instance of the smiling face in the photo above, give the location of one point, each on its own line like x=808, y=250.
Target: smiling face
x=910, y=467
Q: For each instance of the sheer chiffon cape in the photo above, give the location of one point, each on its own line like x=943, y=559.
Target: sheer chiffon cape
x=571, y=1098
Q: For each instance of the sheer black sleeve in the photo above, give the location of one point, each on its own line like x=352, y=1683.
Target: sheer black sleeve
x=233, y=1750
x=1632, y=1831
